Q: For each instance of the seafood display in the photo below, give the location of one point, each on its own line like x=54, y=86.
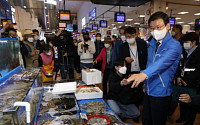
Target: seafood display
x=113, y=119
x=86, y=90
x=97, y=121
x=88, y=70
x=95, y=107
x=58, y=109
x=19, y=87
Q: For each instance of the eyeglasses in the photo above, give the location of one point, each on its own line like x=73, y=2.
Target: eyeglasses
x=156, y=28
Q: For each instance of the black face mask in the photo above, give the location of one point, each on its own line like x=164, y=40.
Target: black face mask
x=86, y=39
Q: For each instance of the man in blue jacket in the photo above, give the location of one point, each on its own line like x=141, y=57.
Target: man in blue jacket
x=163, y=57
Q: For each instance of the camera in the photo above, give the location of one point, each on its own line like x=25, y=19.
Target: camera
x=86, y=46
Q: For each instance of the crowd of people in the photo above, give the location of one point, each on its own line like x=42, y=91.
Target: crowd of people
x=159, y=74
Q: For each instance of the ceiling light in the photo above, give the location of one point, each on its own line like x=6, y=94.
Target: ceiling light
x=45, y=7
x=180, y=22
x=197, y=14
x=186, y=25
x=24, y=6
x=177, y=18
x=167, y=8
x=47, y=22
x=197, y=0
x=183, y=12
x=50, y=2
x=137, y=23
x=129, y=19
x=60, y=0
x=48, y=28
x=46, y=15
x=119, y=22
x=191, y=23
x=142, y=16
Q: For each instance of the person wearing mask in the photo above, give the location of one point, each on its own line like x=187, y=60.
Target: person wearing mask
x=163, y=57
x=46, y=62
x=76, y=58
x=106, y=56
x=114, y=39
x=120, y=97
x=188, y=75
x=118, y=43
x=86, y=49
x=36, y=41
x=99, y=45
x=134, y=52
x=177, y=33
x=32, y=56
x=66, y=53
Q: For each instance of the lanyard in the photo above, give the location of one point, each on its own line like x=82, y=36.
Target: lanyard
x=183, y=70
x=135, y=56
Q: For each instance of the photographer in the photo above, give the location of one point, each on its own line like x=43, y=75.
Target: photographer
x=86, y=49
x=66, y=52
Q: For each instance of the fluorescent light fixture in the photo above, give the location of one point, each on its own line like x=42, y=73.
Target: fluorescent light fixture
x=177, y=18
x=180, y=22
x=197, y=14
x=142, y=16
x=183, y=12
x=129, y=19
x=60, y=0
x=191, y=23
x=24, y=6
x=119, y=22
x=50, y=2
x=186, y=25
x=137, y=23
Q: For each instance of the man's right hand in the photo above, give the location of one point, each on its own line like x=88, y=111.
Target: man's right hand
x=95, y=62
x=129, y=59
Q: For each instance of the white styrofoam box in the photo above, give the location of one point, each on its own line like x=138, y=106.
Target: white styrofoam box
x=81, y=96
x=62, y=88
x=91, y=78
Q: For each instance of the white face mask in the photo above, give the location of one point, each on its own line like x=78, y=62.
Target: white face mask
x=48, y=53
x=36, y=37
x=107, y=45
x=98, y=38
x=173, y=33
x=130, y=41
x=159, y=34
x=30, y=39
x=187, y=46
x=123, y=38
x=122, y=70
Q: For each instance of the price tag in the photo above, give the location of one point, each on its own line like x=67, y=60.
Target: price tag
x=83, y=116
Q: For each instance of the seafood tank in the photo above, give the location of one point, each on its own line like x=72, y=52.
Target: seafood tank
x=22, y=86
x=58, y=110
x=9, y=55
